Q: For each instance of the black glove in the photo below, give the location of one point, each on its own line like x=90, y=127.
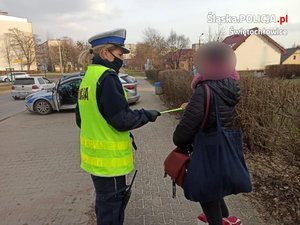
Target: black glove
x=152, y=115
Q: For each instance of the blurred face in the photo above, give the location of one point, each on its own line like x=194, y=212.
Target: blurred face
x=215, y=58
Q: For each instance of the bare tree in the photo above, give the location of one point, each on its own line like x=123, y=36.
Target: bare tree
x=143, y=52
x=56, y=54
x=42, y=57
x=48, y=53
x=176, y=43
x=23, y=44
x=155, y=48
x=81, y=45
x=7, y=49
x=153, y=38
x=152, y=49
x=218, y=35
x=70, y=53
x=53, y=54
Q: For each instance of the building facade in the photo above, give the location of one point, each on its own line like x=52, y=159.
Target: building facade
x=291, y=56
x=254, y=52
x=49, y=55
x=9, y=22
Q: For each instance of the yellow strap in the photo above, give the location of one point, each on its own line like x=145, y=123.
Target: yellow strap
x=107, y=145
x=107, y=162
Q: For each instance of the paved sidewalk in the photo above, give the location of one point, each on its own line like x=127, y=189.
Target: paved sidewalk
x=41, y=182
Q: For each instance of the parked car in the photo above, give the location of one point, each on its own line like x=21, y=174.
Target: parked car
x=12, y=76
x=130, y=85
x=64, y=95
x=25, y=86
x=127, y=78
x=67, y=76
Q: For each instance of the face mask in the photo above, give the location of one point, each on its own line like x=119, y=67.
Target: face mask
x=117, y=62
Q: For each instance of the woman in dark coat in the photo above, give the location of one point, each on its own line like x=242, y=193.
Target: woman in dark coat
x=215, y=63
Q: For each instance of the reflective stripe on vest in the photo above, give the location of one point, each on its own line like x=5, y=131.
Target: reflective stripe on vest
x=104, y=151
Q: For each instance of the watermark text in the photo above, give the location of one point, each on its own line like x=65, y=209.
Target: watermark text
x=246, y=18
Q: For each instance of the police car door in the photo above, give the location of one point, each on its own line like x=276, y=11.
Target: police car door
x=56, y=96
x=48, y=83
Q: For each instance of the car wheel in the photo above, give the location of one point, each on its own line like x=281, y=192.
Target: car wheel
x=42, y=107
x=15, y=98
x=6, y=80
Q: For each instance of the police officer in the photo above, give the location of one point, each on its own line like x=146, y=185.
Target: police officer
x=105, y=119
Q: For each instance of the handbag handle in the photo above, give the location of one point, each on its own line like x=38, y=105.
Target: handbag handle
x=207, y=105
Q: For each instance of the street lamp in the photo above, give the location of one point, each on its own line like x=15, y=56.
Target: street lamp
x=200, y=39
x=60, y=57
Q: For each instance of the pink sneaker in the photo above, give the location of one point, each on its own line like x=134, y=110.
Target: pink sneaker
x=202, y=219
x=231, y=220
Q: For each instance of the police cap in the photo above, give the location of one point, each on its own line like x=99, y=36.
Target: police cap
x=116, y=37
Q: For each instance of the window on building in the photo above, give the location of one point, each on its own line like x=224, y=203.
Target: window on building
x=294, y=57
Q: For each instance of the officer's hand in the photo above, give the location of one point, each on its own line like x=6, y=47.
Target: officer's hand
x=152, y=115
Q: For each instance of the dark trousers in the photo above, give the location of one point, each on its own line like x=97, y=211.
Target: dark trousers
x=109, y=195
x=215, y=211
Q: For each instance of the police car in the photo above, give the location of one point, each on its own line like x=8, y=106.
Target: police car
x=64, y=95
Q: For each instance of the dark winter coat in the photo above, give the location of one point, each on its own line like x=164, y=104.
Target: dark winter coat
x=227, y=95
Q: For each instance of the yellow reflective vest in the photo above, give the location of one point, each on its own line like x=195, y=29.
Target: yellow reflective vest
x=104, y=151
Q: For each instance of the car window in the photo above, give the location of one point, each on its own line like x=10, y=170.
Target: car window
x=24, y=81
x=69, y=91
x=122, y=80
x=128, y=79
x=41, y=80
x=70, y=85
x=74, y=84
x=46, y=81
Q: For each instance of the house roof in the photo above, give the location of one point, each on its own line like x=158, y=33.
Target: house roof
x=288, y=53
x=234, y=41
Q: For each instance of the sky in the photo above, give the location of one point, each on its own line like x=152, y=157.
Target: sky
x=81, y=19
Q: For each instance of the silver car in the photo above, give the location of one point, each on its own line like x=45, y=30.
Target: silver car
x=12, y=76
x=130, y=85
x=26, y=86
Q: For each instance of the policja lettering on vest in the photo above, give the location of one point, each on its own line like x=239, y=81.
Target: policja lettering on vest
x=83, y=93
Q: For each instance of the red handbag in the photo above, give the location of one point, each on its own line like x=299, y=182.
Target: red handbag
x=175, y=165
